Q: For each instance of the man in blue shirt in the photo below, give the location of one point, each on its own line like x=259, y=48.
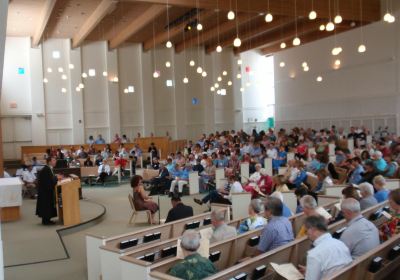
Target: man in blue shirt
x=358, y=169
x=381, y=194
x=100, y=140
x=278, y=231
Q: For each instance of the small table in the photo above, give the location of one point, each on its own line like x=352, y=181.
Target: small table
x=10, y=198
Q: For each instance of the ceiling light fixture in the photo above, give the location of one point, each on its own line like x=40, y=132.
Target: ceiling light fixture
x=237, y=42
x=296, y=40
x=313, y=14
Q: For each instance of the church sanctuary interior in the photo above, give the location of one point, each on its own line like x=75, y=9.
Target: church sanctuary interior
x=199, y=139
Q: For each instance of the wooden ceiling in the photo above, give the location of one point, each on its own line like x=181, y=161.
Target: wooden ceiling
x=145, y=21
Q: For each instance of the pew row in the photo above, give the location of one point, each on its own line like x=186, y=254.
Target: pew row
x=120, y=244
x=258, y=267
x=149, y=256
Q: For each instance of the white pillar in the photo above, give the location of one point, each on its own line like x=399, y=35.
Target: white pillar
x=147, y=93
x=78, y=122
x=37, y=95
x=268, y=166
x=3, y=24
x=114, y=123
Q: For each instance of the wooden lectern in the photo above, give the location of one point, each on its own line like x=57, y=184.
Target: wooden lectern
x=67, y=200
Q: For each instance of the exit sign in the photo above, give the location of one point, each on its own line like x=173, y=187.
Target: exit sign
x=21, y=70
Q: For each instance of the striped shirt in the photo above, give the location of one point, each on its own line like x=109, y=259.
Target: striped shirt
x=276, y=233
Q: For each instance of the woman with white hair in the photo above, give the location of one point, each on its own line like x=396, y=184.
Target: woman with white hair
x=381, y=192
x=379, y=163
x=193, y=266
x=255, y=219
x=367, y=196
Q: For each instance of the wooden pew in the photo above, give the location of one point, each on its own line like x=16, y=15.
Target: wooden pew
x=335, y=190
x=241, y=250
x=139, y=262
x=240, y=205
x=220, y=179
x=359, y=268
x=230, y=252
x=110, y=247
x=268, y=166
x=392, y=184
x=293, y=252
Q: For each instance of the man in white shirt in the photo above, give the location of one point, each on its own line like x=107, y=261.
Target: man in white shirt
x=104, y=171
x=29, y=179
x=360, y=235
x=328, y=254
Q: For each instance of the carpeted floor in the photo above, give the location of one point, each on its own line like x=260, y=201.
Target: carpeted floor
x=27, y=241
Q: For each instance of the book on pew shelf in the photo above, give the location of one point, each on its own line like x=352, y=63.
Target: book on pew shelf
x=287, y=271
x=207, y=221
x=204, y=249
x=192, y=225
x=337, y=234
x=214, y=256
x=169, y=251
x=321, y=211
x=394, y=252
x=254, y=241
x=241, y=276
x=375, y=264
x=128, y=243
x=259, y=272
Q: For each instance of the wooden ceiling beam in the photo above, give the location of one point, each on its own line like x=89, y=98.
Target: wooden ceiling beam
x=307, y=38
x=47, y=10
x=305, y=26
x=212, y=33
x=104, y=8
x=136, y=24
x=257, y=31
x=162, y=37
x=349, y=10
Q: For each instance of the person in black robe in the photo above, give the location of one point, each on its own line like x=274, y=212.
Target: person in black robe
x=45, y=205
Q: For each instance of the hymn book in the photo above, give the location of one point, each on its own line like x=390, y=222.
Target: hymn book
x=287, y=271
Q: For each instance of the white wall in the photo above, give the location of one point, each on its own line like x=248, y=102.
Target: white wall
x=363, y=91
x=102, y=107
x=258, y=97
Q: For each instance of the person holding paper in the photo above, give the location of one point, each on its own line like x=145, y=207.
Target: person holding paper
x=255, y=219
x=194, y=266
x=328, y=254
x=360, y=235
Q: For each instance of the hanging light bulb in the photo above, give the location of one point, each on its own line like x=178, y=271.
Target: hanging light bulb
x=319, y=79
x=330, y=26
x=115, y=80
x=168, y=44
x=229, y=83
x=337, y=62
x=312, y=15
x=167, y=64
x=71, y=66
x=63, y=90
x=282, y=64
x=192, y=63
x=199, y=26
x=45, y=80
x=239, y=76
x=126, y=90
x=241, y=89
x=296, y=41
x=224, y=73
x=212, y=88
x=105, y=73
x=336, y=50
x=49, y=70
x=219, y=49
x=78, y=89
x=283, y=45
x=84, y=75
x=63, y=77
x=237, y=42
x=239, y=62
x=338, y=19
x=362, y=48
x=199, y=70
x=387, y=17
x=322, y=27
x=60, y=69
x=231, y=15
x=304, y=64
x=306, y=68
x=204, y=74
x=185, y=80
x=391, y=19
x=156, y=74
x=268, y=17
x=81, y=85
x=219, y=79
x=216, y=85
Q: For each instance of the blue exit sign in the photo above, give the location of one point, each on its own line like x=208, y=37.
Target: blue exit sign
x=21, y=70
